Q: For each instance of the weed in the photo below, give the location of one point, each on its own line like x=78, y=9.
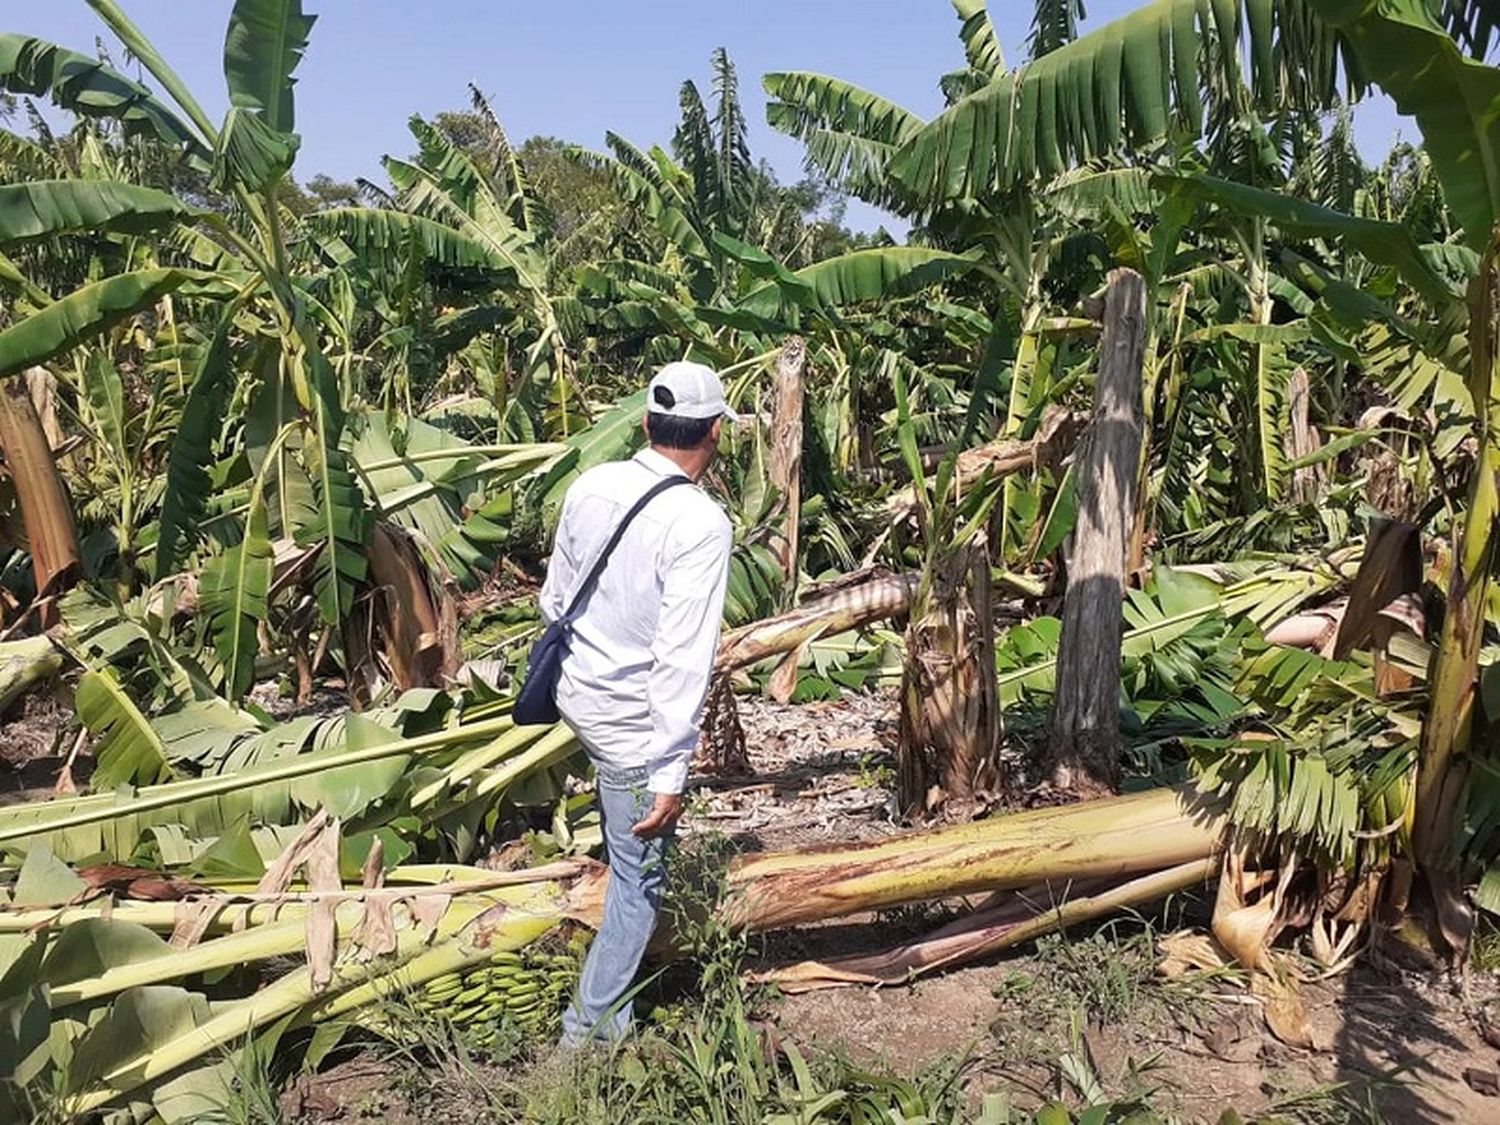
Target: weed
x=1484, y=950
x=1103, y=975
x=875, y=772
x=439, y=1069
x=1335, y=1103
x=1015, y=985
x=247, y=1092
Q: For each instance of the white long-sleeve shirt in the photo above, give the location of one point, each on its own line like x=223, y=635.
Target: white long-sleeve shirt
x=642, y=651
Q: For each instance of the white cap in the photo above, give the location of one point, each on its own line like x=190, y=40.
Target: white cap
x=688, y=390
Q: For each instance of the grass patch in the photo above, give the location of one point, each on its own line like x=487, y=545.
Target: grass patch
x=1335, y=1103
x=1484, y=950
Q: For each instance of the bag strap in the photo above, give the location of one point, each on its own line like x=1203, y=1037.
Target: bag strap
x=614, y=540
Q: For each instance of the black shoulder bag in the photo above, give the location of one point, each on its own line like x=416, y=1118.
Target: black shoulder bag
x=537, y=701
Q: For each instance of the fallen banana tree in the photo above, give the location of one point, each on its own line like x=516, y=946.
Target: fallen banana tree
x=93, y=1021
x=851, y=606
x=1001, y=458
x=91, y=1003
x=1009, y=922
x=1108, y=839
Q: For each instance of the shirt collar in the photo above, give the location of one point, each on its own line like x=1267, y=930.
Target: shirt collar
x=661, y=466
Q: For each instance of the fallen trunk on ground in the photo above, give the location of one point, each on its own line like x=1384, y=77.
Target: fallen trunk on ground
x=448, y=928
x=1022, y=917
x=25, y=663
x=1109, y=839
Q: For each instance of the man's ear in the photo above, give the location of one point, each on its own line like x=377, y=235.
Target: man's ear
x=715, y=431
x=646, y=427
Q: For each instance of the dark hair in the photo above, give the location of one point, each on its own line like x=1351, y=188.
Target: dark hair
x=672, y=432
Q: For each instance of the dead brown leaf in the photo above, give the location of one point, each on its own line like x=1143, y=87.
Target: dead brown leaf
x=377, y=930
x=278, y=876
x=1186, y=952
x=322, y=861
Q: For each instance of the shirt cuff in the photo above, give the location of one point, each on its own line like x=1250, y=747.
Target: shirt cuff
x=669, y=775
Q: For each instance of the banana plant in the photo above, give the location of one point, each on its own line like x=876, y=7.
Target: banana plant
x=252, y=150
x=259, y=421
x=445, y=193
x=1135, y=81
x=1442, y=97
x=950, y=712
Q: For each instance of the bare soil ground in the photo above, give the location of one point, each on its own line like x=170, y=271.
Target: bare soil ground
x=1394, y=1042
x=34, y=744
x=1391, y=1044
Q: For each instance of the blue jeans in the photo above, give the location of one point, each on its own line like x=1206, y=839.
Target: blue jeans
x=601, y=1010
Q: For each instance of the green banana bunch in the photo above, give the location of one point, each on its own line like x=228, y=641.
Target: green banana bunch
x=525, y=989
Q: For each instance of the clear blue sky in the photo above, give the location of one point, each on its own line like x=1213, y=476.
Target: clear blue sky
x=571, y=70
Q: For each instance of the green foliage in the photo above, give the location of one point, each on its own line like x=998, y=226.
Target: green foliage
x=264, y=44
x=448, y=354
x=850, y=134
x=1133, y=81
x=250, y=153
x=90, y=88
x=336, y=521
x=1332, y=768
x=859, y=276
x=49, y=207
x=1446, y=92
x=129, y=748
x=189, y=483
x=81, y=315
x=1389, y=244
x=981, y=45
x=235, y=587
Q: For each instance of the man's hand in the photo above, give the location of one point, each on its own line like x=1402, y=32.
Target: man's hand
x=660, y=820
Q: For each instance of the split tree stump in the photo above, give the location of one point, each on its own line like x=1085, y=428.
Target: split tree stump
x=786, y=479
x=46, y=509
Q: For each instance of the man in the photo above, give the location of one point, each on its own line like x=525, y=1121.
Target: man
x=637, y=671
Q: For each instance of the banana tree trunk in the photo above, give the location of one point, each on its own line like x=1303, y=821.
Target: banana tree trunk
x=950, y=710
x=1303, y=439
x=1021, y=917
x=25, y=663
x=1002, y=458
x=786, y=479
x=1110, y=839
x=839, y=611
x=1141, y=527
x=46, y=511
x=786, y=456
x=1085, y=724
